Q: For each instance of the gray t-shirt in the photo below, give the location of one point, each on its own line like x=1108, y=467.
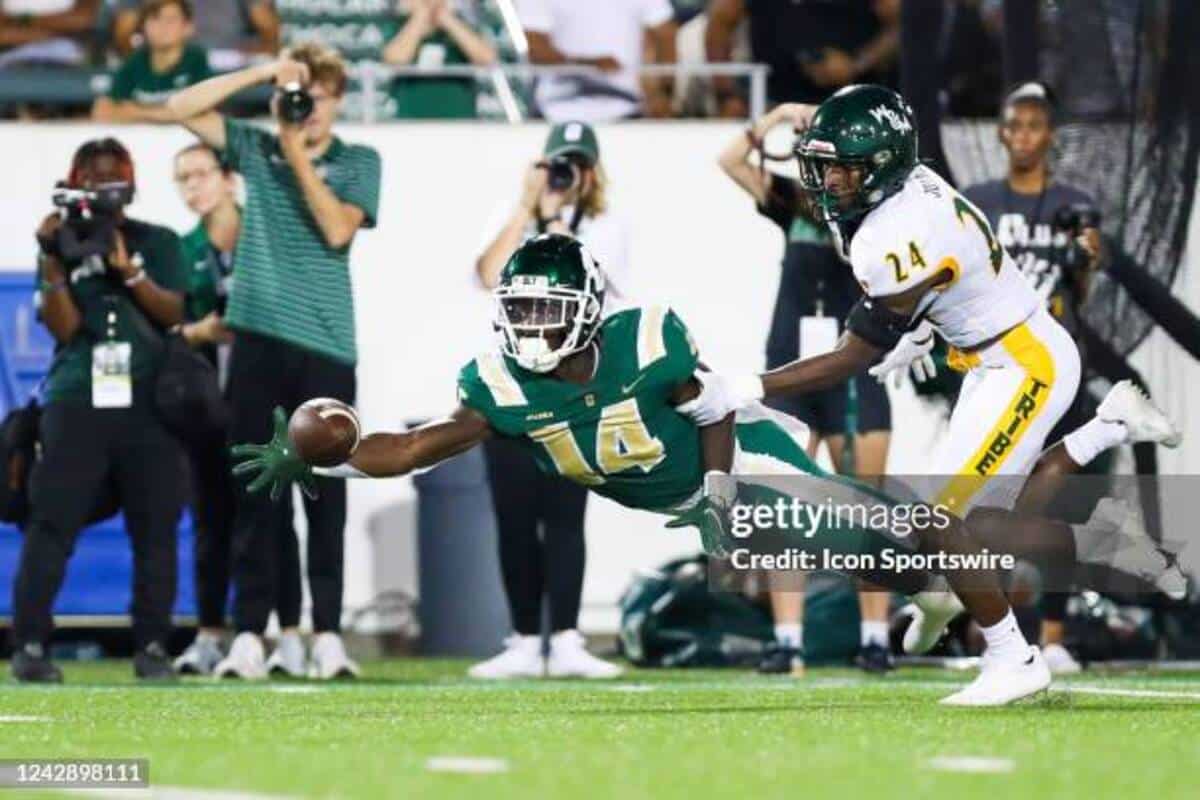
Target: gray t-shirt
x=1023, y=224
x=220, y=24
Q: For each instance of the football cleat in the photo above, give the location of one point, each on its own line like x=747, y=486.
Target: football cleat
x=1127, y=404
x=569, y=658
x=779, y=659
x=520, y=658
x=151, y=663
x=287, y=660
x=875, y=659
x=1133, y=551
x=201, y=656
x=30, y=664
x=1060, y=661
x=931, y=612
x=329, y=659
x=246, y=659
x=1002, y=682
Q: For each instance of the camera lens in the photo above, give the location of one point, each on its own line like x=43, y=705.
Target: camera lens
x=295, y=103
x=562, y=175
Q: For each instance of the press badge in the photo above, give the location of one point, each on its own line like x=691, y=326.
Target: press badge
x=112, y=381
x=818, y=335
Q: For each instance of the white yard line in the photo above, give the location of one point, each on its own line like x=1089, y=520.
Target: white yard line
x=173, y=793
x=973, y=764
x=469, y=765
x=19, y=718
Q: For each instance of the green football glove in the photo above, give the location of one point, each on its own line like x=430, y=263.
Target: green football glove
x=275, y=463
x=711, y=517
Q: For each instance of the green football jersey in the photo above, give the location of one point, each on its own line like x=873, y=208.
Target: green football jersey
x=618, y=434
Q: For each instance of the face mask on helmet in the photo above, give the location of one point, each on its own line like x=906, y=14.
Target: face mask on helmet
x=540, y=326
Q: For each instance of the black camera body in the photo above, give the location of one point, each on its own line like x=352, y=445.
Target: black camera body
x=293, y=103
x=1072, y=219
x=90, y=219
x=562, y=173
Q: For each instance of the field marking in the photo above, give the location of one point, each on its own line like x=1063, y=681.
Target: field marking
x=19, y=718
x=972, y=764
x=295, y=689
x=1105, y=690
x=630, y=688
x=467, y=765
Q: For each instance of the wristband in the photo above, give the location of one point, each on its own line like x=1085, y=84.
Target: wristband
x=340, y=471
x=46, y=287
x=136, y=278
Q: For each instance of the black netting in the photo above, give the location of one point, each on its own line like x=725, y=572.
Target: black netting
x=1127, y=75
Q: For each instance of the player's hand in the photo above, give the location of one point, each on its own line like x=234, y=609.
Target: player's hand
x=274, y=464
x=712, y=516
x=717, y=399
x=911, y=352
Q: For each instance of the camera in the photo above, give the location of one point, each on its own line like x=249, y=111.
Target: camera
x=89, y=219
x=294, y=103
x=562, y=174
x=1072, y=219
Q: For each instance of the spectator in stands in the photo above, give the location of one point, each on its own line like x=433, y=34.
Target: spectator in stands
x=307, y=195
x=1021, y=208
x=209, y=188
x=813, y=47
x=167, y=62
x=99, y=430
x=232, y=30
x=433, y=35
x=540, y=517
x=46, y=32
x=854, y=420
x=613, y=37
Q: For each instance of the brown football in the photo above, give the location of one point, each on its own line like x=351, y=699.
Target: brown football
x=324, y=431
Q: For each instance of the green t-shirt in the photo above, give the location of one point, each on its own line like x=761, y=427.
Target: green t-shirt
x=209, y=273
x=288, y=283
x=96, y=291
x=435, y=98
x=618, y=434
x=136, y=80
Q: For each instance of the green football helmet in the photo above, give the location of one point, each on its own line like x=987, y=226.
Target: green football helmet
x=867, y=127
x=549, y=301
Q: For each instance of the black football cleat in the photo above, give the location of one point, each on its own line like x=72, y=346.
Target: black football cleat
x=30, y=664
x=782, y=660
x=152, y=664
x=875, y=659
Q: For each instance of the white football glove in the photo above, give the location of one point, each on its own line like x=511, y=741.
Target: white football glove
x=715, y=401
x=911, y=352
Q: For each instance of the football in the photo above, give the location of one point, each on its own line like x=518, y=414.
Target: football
x=324, y=431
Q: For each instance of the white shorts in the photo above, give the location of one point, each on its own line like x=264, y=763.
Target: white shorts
x=1014, y=393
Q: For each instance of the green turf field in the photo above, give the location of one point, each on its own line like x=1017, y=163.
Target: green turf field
x=686, y=734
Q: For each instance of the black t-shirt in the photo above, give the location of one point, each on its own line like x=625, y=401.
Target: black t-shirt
x=810, y=264
x=785, y=33
x=1023, y=225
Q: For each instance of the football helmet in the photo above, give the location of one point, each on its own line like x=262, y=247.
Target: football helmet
x=549, y=301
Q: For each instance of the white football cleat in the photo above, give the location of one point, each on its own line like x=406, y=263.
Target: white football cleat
x=520, y=658
x=1060, y=661
x=1127, y=404
x=569, y=658
x=288, y=659
x=246, y=659
x=201, y=656
x=931, y=613
x=1002, y=682
x=1133, y=551
x=329, y=659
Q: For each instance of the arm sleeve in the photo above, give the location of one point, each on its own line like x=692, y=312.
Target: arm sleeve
x=361, y=187
x=781, y=202
x=535, y=15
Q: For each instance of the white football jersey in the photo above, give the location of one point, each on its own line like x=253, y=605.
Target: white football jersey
x=926, y=227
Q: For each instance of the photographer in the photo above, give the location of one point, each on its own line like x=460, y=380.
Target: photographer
x=109, y=287
x=1050, y=230
x=817, y=289
x=565, y=191
x=208, y=187
x=290, y=307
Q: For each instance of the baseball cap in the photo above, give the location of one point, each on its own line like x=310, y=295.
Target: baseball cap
x=568, y=138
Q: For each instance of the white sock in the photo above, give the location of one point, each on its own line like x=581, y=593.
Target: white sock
x=1005, y=640
x=873, y=632
x=1093, y=438
x=790, y=634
